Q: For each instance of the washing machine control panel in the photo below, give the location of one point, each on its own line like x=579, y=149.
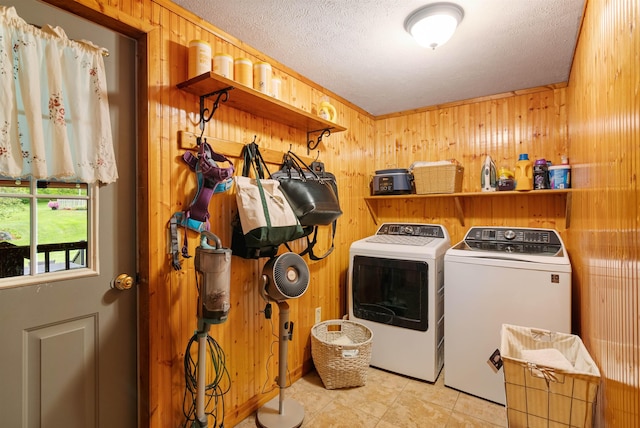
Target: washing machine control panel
x=407, y=229
x=514, y=240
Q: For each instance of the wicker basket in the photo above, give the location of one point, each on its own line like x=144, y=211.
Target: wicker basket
x=542, y=396
x=341, y=352
x=438, y=178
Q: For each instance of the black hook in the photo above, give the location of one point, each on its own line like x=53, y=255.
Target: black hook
x=205, y=114
x=310, y=143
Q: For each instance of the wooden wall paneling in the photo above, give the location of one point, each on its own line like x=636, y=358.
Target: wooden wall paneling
x=468, y=132
x=604, y=153
x=178, y=282
x=183, y=188
x=160, y=199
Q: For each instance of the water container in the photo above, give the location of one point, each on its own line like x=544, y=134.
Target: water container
x=262, y=77
x=524, y=173
x=243, y=71
x=199, y=58
x=223, y=65
x=540, y=174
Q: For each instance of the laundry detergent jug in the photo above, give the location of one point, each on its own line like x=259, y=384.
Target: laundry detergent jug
x=524, y=173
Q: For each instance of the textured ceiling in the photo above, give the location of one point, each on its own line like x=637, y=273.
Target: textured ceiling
x=359, y=50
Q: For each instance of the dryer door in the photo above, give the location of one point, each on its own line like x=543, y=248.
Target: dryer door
x=390, y=291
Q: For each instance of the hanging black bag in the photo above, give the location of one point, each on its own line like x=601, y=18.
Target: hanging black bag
x=313, y=195
x=312, y=192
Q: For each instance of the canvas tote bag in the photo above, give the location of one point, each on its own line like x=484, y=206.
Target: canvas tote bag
x=266, y=218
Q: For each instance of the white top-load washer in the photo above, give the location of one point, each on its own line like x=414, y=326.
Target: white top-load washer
x=395, y=288
x=495, y=276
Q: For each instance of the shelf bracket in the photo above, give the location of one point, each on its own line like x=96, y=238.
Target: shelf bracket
x=373, y=210
x=205, y=114
x=310, y=142
x=567, y=211
x=459, y=209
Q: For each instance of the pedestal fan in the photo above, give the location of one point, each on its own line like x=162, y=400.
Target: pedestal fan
x=284, y=277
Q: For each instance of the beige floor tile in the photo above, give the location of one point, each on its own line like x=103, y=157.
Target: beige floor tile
x=389, y=400
x=481, y=409
x=410, y=412
x=393, y=381
x=249, y=422
x=432, y=393
x=311, y=394
x=341, y=415
x=459, y=420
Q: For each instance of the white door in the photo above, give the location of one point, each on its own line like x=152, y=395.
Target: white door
x=68, y=348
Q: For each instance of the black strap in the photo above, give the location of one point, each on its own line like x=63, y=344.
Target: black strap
x=253, y=158
x=311, y=243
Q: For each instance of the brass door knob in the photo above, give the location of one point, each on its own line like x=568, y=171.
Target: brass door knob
x=123, y=282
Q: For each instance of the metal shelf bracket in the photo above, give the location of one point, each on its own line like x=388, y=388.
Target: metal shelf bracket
x=205, y=114
x=311, y=145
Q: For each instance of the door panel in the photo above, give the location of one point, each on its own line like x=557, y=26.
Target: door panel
x=60, y=362
x=68, y=354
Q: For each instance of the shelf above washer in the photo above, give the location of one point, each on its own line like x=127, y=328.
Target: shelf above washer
x=248, y=99
x=372, y=201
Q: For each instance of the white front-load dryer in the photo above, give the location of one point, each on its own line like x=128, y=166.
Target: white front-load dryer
x=495, y=276
x=395, y=285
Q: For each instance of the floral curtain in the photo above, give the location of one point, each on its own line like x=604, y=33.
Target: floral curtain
x=54, y=111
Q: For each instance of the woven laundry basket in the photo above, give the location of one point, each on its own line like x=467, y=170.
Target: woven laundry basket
x=341, y=352
x=437, y=177
x=550, y=378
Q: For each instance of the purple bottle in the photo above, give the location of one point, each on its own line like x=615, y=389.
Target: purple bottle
x=540, y=175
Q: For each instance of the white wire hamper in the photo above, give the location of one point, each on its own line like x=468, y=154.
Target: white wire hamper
x=341, y=352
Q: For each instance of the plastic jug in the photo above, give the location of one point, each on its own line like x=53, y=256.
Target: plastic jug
x=524, y=173
x=327, y=111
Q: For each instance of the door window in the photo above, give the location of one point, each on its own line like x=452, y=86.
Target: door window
x=45, y=228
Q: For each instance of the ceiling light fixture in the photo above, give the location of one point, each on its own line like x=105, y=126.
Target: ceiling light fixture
x=434, y=24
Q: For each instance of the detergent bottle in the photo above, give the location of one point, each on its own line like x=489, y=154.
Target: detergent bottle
x=488, y=179
x=540, y=174
x=524, y=173
x=505, y=179
x=327, y=111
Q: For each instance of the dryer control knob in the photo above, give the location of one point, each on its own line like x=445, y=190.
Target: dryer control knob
x=509, y=234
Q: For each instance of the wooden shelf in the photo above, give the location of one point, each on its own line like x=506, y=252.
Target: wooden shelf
x=469, y=194
x=372, y=201
x=248, y=99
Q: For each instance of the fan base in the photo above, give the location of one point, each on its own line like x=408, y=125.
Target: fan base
x=268, y=416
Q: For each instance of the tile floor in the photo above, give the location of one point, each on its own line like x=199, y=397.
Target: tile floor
x=389, y=401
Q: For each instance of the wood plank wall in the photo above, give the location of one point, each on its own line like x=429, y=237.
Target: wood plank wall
x=502, y=127
x=533, y=121
x=604, y=142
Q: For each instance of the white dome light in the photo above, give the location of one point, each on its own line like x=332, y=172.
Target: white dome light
x=433, y=25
